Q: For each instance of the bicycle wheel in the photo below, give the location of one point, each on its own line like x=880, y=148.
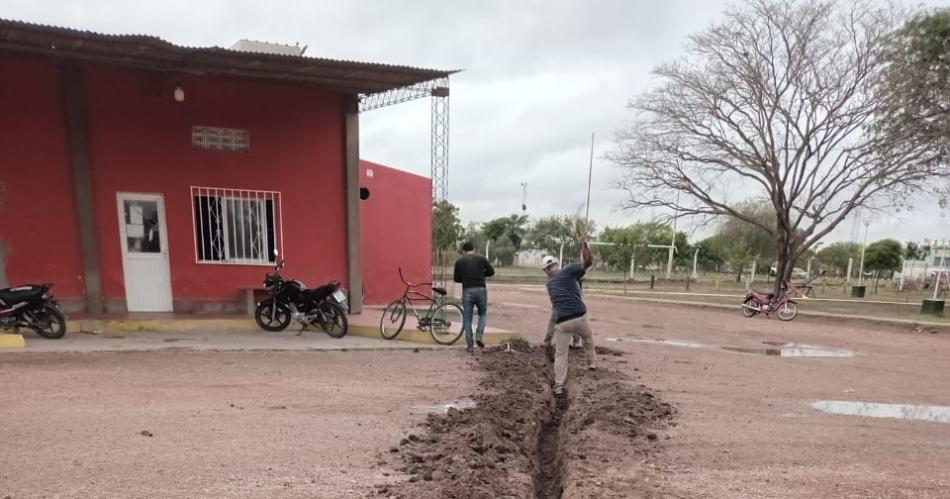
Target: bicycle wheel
x=446, y=324
x=394, y=317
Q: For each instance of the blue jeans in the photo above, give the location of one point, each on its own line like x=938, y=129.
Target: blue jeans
x=472, y=298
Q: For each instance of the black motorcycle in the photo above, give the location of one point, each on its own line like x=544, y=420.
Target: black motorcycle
x=324, y=307
x=32, y=306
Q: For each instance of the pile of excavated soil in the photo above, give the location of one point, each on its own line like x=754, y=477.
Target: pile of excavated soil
x=520, y=441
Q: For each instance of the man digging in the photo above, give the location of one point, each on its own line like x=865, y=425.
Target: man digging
x=569, y=312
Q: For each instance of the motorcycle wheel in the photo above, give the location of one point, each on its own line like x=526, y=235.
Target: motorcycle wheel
x=50, y=322
x=270, y=320
x=336, y=324
x=748, y=312
x=788, y=311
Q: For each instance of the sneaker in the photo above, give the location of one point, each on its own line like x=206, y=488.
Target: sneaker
x=480, y=343
x=591, y=368
x=558, y=390
x=470, y=349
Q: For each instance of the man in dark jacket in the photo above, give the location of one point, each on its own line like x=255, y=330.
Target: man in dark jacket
x=471, y=270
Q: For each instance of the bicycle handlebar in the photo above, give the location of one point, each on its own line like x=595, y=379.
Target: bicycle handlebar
x=409, y=284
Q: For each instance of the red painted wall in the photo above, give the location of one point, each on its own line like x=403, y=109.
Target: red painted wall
x=140, y=141
x=396, y=230
x=38, y=221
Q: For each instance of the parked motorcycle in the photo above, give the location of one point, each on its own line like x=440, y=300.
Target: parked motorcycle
x=766, y=303
x=32, y=306
x=324, y=307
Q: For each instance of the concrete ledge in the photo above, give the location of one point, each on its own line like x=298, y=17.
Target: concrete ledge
x=12, y=341
x=416, y=336
x=228, y=325
x=170, y=325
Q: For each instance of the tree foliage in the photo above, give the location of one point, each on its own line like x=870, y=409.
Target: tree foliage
x=549, y=233
x=633, y=241
x=915, y=251
x=917, y=83
x=513, y=226
x=835, y=257
x=446, y=226
x=884, y=255
x=776, y=102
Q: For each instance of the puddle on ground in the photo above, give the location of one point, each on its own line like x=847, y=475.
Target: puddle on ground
x=932, y=413
x=669, y=343
x=444, y=408
x=793, y=350
x=778, y=349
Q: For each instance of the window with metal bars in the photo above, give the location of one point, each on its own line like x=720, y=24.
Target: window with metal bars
x=236, y=226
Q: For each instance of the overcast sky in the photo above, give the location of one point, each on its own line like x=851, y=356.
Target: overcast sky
x=539, y=77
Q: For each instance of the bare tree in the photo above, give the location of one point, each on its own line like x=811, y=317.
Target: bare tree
x=775, y=103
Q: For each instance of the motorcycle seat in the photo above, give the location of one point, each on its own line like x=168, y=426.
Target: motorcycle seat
x=440, y=291
x=10, y=296
x=319, y=293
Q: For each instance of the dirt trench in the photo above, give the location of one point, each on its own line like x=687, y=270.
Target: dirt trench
x=520, y=441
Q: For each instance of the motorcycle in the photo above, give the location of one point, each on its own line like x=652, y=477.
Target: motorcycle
x=766, y=303
x=324, y=307
x=32, y=306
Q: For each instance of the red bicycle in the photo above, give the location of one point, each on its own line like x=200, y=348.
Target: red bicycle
x=442, y=320
x=765, y=303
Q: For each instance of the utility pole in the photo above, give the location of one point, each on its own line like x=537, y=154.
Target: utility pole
x=695, y=259
x=590, y=177
x=864, y=247
x=669, y=264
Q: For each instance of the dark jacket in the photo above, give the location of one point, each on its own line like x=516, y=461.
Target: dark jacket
x=471, y=270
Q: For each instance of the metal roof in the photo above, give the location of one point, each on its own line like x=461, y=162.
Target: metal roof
x=153, y=53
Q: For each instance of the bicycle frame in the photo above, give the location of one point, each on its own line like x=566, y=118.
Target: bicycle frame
x=410, y=294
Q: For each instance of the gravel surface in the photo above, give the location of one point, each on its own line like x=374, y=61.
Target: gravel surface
x=744, y=425
x=178, y=424
x=322, y=424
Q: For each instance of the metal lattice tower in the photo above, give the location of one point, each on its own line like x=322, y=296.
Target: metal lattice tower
x=440, y=143
x=438, y=90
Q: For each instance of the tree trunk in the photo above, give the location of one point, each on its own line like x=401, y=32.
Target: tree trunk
x=786, y=262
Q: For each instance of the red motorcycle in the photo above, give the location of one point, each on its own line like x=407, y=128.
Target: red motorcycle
x=766, y=303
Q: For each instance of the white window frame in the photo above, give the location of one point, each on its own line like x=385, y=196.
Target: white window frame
x=232, y=230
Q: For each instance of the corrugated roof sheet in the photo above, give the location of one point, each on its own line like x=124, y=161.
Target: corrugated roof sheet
x=153, y=53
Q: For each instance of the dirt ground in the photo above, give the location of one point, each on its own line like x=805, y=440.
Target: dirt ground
x=220, y=424
x=520, y=441
x=744, y=427
x=354, y=424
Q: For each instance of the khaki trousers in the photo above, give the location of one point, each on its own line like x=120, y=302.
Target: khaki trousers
x=563, y=333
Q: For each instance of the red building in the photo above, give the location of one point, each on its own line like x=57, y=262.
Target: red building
x=141, y=176
x=396, y=221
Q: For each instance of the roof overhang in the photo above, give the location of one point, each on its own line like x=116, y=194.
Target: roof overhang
x=152, y=53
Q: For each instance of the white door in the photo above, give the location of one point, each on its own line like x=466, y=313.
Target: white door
x=145, y=252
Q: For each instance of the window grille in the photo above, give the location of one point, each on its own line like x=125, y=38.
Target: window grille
x=234, y=226
x=212, y=138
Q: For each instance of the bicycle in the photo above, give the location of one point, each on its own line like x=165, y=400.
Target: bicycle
x=442, y=320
